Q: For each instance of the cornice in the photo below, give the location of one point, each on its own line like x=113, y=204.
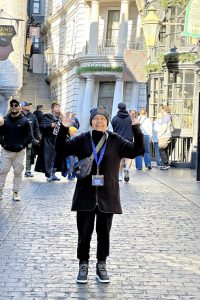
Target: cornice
x=81, y=61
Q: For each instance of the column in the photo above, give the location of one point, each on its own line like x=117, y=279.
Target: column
x=94, y=28
x=118, y=95
x=135, y=95
x=87, y=104
x=123, y=26
x=81, y=93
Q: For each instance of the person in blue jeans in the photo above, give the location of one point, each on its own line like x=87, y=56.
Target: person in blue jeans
x=146, y=127
x=71, y=159
x=156, y=127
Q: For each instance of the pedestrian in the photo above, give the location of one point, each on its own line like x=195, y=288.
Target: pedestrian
x=75, y=121
x=97, y=195
x=26, y=107
x=15, y=134
x=134, y=116
x=72, y=159
x=49, y=158
x=122, y=125
x=155, y=129
x=146, y=127
x=164, y=137
x=39, y=113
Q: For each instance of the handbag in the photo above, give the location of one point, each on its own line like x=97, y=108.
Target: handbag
x=83, y=167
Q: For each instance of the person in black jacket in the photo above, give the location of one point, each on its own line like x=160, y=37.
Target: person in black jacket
x=26, y=107
x=122, y=125
x=97, y=195
x=15, y=134
x=49, y=158
x=39, y=113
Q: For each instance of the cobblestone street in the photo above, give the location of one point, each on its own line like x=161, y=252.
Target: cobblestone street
x=155, y=243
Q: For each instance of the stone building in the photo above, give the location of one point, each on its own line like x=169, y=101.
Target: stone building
x=13, y=13
x=90, y=48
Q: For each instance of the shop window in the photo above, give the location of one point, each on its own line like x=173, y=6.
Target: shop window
x=36, y=6
x=180, y=97
x=112, y=28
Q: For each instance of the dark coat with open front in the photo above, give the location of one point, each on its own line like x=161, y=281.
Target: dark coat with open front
x=107, y=197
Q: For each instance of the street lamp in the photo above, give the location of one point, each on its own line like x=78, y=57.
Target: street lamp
x=151, y=27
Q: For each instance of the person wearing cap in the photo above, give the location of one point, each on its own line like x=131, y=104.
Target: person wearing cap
x=97, y=195
x=49, y=158
x=26, y=107
x=122, y=125
x=39, y=113
x=15, y=134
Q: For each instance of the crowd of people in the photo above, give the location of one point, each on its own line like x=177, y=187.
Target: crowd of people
x=52, y=144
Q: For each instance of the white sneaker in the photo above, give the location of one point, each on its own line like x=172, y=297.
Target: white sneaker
x=120, y=177
x=126, y=175
x=16, y=196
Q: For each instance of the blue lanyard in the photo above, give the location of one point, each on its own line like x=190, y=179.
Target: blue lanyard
x=102, y=151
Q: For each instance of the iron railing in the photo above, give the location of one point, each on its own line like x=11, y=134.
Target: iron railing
x=179, y=151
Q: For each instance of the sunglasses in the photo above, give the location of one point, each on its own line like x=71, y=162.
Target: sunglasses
x=14, y=105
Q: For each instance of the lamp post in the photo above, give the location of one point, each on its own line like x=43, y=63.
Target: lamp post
x=151, y=25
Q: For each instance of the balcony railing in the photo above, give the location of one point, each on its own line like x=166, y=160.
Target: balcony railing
x=112, y=46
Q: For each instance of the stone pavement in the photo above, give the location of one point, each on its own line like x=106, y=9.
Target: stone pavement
x=155, y=243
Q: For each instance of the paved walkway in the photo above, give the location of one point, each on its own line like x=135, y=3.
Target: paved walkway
x=155, y=244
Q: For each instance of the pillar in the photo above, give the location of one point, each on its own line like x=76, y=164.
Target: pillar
x=123, y=26
x=87, y=104
x=94, y=28
x=80, y=98
x=118, y=96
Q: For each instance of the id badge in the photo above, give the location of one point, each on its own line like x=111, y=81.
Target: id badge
x=97, y=180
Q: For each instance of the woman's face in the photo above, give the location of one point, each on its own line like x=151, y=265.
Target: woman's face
x=100, y=123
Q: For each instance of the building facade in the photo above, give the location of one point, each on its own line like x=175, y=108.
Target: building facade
x=13, y=13
x=89, y=48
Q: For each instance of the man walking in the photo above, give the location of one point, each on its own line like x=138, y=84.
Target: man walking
x=39, y=113
x=122, y=125
x=15, y=134
x=26, y=107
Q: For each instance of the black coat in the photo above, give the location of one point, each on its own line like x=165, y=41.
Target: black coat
x=51, y=146
x=122, y=124
x=86, y=196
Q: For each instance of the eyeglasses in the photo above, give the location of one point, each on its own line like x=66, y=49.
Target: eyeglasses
x=14, y=105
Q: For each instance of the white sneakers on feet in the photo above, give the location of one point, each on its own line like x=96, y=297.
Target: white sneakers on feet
x=16, y=196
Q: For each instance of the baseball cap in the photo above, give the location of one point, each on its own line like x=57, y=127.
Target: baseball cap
x=14, y=101
x=25, y=103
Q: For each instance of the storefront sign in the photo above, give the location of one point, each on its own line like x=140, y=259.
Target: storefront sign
x=6, y=34
x=192, y=19
x=34, y=31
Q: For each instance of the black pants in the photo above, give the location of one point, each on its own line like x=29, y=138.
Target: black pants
x=85, y=225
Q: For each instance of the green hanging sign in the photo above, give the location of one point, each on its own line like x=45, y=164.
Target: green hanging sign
x=192, y=19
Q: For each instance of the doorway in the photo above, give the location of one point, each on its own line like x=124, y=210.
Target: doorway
x=106, y=94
